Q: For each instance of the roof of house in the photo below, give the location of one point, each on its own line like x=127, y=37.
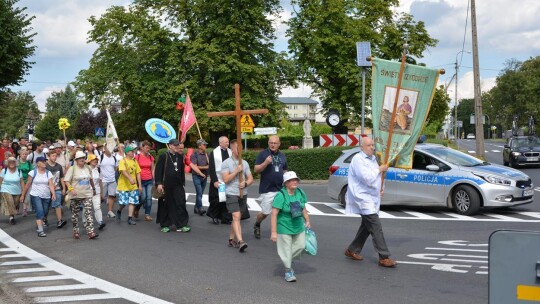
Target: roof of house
x=298, y=100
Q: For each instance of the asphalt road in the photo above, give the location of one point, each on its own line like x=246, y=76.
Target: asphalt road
x=439, y=260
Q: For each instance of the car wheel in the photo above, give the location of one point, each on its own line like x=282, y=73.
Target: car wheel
x=512, y=163
x=342, y=196
x=466, y=200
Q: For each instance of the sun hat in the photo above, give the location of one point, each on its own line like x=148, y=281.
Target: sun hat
x=80, y=154
x=129, y=148
x=91, y=157
x=51, y=148
x=45, y=150
x=289, y=175
x=58, y=145
x=71, y=143
x=201, y=142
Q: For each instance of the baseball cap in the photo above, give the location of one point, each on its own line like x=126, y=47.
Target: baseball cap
x=71, y=143
x=201, y=142
x=41, y=159
x=129, y=148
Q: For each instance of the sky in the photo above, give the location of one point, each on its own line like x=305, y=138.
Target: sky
x=506, y=30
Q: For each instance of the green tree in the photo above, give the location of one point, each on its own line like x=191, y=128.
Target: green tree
x=15, y=43
x=439, y=109
x=15, y=110
x=323, y=36
x=62, y=104
x=517, y=92
x=207, y=47
x=465, y=109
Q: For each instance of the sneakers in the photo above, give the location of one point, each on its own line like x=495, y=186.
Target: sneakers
x=12, y=221
x=102, y=225
x=165, y=229
x=184, y=229
x=118, y=215
x=387, y=263
x=131, y=222
x=25, y=212
x=41, y=234
x=257, y=231
x=45, y=223
x=60, y=224
x=242, y=246
x=289, y=276
x=111, y=214
x=148, y=218
x=233, y=243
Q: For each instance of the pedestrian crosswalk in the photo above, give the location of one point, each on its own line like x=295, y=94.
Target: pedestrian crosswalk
x=407, y=213
x=45, y=280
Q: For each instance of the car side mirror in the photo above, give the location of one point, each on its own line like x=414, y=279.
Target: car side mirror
x=506, y=146
x=433, y=168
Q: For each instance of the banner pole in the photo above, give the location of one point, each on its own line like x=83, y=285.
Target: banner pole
x=392, y=120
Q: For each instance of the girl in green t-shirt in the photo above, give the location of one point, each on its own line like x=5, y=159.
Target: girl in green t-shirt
x=25, y=166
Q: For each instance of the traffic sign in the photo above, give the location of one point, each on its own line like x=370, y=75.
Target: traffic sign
x=363, y=50
x=246, y=121
x=459, y=124
x=100, y=132
x=266, y=131
x=246, y=129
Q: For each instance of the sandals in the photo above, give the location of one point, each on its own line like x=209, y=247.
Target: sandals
x=76, y=235
x=242, y=245
x=233, y=243
x=93, y=235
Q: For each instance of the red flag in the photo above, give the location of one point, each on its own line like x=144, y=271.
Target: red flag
x=188, y=119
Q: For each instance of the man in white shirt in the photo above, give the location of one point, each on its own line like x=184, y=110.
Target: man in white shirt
x=364, y=198
x=108, y=165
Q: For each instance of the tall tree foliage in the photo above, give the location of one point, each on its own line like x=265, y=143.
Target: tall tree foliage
x=15, y=43
x=517, y=92
x=147, y=60
x=323, y=36
x=16, y=109
x=62, y=104
x=439, y=109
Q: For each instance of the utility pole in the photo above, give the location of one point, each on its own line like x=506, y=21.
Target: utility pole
x=456, y=135
x=477, y=92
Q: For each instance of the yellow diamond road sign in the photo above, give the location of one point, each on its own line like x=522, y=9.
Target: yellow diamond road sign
x=246, y=121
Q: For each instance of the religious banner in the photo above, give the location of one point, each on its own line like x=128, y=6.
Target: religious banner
x=188, y=119
x=413, y=103
x=111, y=137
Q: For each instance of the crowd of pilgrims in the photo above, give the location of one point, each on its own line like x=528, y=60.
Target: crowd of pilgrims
x=43, y=177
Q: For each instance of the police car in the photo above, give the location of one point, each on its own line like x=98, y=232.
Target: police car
x=442, y=176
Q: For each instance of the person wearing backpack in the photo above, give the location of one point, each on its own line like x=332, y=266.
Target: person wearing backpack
x=289, y=221
x=92, y=161
x=25, y=166
x=108, y=165
x=37, y=153
x=81, y=189
x=11, y=182
x=58, y=175
x=41, y=192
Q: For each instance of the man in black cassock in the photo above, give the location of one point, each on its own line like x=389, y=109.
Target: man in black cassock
x=218, y=210
x=170, y=178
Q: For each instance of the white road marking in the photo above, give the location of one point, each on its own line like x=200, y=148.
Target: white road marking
x=471, y=151
x=27, y=270
x=57, y=288
x=461, y=243
x=531, y=214
x=496, y=151
x=456, y=249
x=109, y=289
x=253, y=205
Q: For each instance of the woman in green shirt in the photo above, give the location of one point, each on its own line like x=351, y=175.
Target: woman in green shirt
x=25, y=166
x=289, y=221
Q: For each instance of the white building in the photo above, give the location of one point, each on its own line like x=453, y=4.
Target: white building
x=300, y=108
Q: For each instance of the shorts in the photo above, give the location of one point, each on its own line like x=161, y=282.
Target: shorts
x=233, y=203
x=128, y=197
x=58, y=202
x=266, y=200
x=109, y=189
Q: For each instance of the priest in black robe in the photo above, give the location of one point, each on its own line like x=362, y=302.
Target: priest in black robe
x=170, y=178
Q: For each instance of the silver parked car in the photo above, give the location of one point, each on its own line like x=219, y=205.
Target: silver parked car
x=442, y=176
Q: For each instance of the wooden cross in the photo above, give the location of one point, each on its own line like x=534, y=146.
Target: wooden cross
x=238, y=112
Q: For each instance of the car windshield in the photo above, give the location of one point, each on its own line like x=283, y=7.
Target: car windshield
x=455, y=157
x=525, y=142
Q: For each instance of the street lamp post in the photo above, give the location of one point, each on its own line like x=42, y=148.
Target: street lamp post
x=456, y=97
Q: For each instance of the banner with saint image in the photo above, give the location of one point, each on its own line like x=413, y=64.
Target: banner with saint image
x=413, y=103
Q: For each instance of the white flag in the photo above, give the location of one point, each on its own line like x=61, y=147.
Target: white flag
x=112, y=136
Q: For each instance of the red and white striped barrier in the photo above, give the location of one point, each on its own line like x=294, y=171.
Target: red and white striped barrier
x=332, y=140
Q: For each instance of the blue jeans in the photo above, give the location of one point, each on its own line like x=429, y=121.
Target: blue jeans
x=40, y=206
x=146, y=196
x=200, y=184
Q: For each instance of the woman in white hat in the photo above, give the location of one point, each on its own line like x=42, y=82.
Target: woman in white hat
x=81, y=189
x=289, y=221
x=11, y=181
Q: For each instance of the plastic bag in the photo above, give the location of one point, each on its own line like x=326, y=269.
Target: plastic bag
x=221, y=192
x=311, y=242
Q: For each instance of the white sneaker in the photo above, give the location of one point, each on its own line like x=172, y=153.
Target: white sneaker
x=111, y=214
